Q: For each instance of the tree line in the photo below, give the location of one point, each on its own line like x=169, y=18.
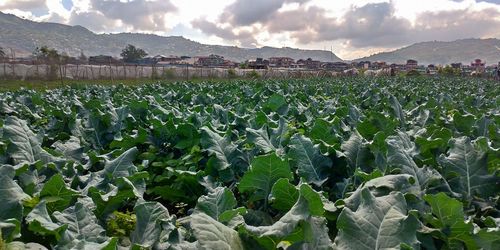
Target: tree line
x=129, y=54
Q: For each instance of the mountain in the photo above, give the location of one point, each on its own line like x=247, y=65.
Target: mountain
x=24, y=36
x=464, y=51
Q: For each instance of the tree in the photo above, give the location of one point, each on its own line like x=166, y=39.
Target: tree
x=132, y=54
x=51, y=57
x=46, y=54
x=2, y=53
x=83, y=58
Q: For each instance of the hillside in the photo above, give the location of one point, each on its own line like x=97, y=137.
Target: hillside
x=25, y=35
x=463, y=51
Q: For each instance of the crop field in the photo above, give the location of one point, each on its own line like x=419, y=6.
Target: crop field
x=343, y=163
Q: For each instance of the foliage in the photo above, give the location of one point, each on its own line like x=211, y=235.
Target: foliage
x=2, y=53
x=132, y=54
x=253, y=74
x=342, y=163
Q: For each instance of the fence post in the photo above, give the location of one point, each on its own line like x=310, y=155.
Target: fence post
x=60, y=75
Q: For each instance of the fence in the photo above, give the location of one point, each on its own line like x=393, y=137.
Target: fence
x=120, y=72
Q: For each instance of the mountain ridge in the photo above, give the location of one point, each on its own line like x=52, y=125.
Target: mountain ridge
x=443, y=52
x=25, y=35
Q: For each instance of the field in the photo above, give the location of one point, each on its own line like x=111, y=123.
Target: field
x=343, y=163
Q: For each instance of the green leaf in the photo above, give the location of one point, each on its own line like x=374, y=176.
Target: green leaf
x=488, y=238
x=24, y=146
x=11, y=197
x=400, y=154
x=468, y=168
x=122, y=166
x=212, y=234
x=378, y=223
x=308, y=204
x=148, y=229
x=284, y=195
x=263, y=173
x=39, y=222
x=323, y=130
x=81, y=225
x=221, y=147
x=398, y=110
x=381, y=186
x=56, y=193
x=449, y=218
x=310, y=163
x=276, y=103
x=357, y=152
x=107, y=202
x=216, y=202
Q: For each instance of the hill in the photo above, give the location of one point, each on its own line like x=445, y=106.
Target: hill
x=436, y=52
x=24, y=36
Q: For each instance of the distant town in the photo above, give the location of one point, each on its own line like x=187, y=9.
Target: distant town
x=134, y=56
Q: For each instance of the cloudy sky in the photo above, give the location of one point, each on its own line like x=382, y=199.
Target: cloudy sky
x=351, y=28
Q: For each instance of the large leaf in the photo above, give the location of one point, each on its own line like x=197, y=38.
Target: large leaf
x=150, y=216
x=308, y=204
x=263, y=173
x=40, y=222
x=381, y=186
x=212, y=234
x=467, y=169
x=449, y=219
x=284, y=195
x=400, y=155
x=57, y=194
x=307, y=158
x=121, y=166
x=357, y=152
x=216, y=202
x=221, y=147
x=268, y=139
x=378, y=223
x=11, y=197
x=24, y=146
x=82, y=227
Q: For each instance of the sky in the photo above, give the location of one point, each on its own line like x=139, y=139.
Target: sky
x=351, y=29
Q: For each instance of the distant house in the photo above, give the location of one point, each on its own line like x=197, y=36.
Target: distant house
x=310, y=63
x=281, y=62
x=210, y=61
x=258, y=63
x=335, y=66
x=378, y=65
x=401, y=67
x=478, y=65
x=456, y=65
x=102, y=60
x=411, y=64
x=165, y=60
x=363, y=65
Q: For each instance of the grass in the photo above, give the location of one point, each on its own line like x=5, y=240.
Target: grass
x=12, y=85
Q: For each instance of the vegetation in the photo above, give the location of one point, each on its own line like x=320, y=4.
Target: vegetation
x=343, y=163
x=132, y=54
x=2, y=54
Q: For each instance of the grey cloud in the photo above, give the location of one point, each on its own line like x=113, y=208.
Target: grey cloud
x=244, y=37
x=247, y=12
x=94, y=21
x=24, y=4
x=37, y=7
x=140, y=14
x=376, y=25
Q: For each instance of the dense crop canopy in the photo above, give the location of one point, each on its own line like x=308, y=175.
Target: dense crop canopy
x=353, y=163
